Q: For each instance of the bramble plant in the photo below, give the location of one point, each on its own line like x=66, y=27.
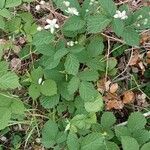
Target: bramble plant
x=59, y=74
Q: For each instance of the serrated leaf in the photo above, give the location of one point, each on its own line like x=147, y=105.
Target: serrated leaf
x=108, y=6
x=71, y=64
x=95, y=47
x=111, y=146
x=49, y=134
x=108, y=120
x=142, y=136
x=46, y=49
x=118, y=26
x=17, y=107
x=5, y=115
x=5, y=13
x=72, y=141
x=73, y=85
x=93, y=141
x=49, y=101
x=87, y=91
x=42, y=37
x=97, y=23
x=131, y=36
x=9, y=81
x=2, y=23
x=89, y=75
x=112, y=62
x=129, y=143
x=122, y=131
x=94, y=106
x=60, y=53
x=12, y=3
x=136, y=121
x=49, y=88
x=146, y=146
x=74, y=24
x=2, y=3
x=34, y=91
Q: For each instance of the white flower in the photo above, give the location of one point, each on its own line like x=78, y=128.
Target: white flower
x=39, y=28
x=40, y=81
x=51, y=25
x=70, y=43
x=37, y=7
x=66, y=3
x=76, y=42
x=138, y=25
x=121, y=15
x=145, y=21
x=42, y=2
x=87, y=10
x=72, y=11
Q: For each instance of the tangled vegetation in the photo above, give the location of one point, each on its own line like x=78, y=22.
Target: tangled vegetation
x=74, y=74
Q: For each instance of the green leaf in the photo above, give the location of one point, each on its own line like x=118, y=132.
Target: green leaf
x=146, y=146
x=5, y=13
x=73, y=85
x=49, y=101
x=42, y=37
x=136, y=121
x=12, y=3
x=112, y=62
x=87, y=91
x=108, y=6
x=94, y=106
x=60, y=53
x=97, y=23
x=121, y=131
x=49, y=134
x=46, y=49
x=118, y=26
x=74, y=24
x=36, y=74
x=108, y=120
x=111, y=146
x=34, y=91
x=131, y=36
x=49, y=88
x=17, y=107
x=5, y=115
x=93, y=141
x=142, y=136
x=71, y=64
x=95, y=47
x=73, y=142
x=9, y=81
x=129, y=143
x=89, y=75
x=2, y=3
x=2, y=23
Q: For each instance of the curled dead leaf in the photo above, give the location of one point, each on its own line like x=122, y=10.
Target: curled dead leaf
x=113, y=88
x=114, y=104
x=128, y=97
x=134, y=59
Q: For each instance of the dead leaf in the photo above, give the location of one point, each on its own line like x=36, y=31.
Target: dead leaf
x=107, y=85
x=15, y=64
x=114, y=104
x=128, y=97
x=148, y=54
x=135, y=59
x=101, y=85
x=113, y=88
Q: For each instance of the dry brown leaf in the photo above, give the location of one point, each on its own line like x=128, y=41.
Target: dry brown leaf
x=15, y=64
x=148, y=61
x=135, y=59
x=128, y=97
x=107, y=85
x=113, y=88
x=148, y=54
x=101, y=85
x=114, y=104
